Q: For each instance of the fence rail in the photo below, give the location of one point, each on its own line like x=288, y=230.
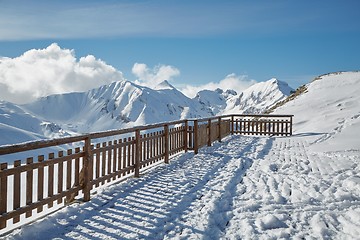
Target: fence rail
x=45, y=182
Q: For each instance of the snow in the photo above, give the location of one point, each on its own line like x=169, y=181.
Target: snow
x=306, y=186
x=329, y=111
x=242, y=188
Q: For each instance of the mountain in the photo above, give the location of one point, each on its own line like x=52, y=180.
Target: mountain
x=328, y=111
x=214, y=101
x=124, y=104
x=258, y=97
x=120, y=104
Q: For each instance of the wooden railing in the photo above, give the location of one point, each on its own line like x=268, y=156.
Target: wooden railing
x=48, y=180
x=276, y=125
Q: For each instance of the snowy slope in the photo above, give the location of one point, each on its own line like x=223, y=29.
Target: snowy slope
x=19, y=125
x=329, y=111
x=258, y=97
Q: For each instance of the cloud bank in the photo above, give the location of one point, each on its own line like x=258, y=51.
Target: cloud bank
x=41, y=72
x=152, y=77
x=231, y=81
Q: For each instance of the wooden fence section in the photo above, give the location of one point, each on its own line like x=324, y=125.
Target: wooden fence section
x=43, y=183
x=277, y=125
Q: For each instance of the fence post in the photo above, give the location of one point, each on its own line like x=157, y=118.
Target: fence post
x=209, y=137
x=232, y=125
x=196, y=137
x=291, y=122
x=219, y=120
x=87, y=169
x=186, y=135
x=3, y=195
x=166, y=142
x=137, y=153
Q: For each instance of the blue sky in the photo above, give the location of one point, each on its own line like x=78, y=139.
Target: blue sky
x=205, y=40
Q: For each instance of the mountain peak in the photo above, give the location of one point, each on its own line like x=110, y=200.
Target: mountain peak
x=164, y=85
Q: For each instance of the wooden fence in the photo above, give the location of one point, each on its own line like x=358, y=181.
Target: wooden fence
x=46, y=182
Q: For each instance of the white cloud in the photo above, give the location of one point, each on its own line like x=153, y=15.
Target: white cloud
x=231, y=81
x=152, y=77
x=41, y=72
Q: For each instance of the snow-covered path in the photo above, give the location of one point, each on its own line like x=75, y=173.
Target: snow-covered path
x=242, y=188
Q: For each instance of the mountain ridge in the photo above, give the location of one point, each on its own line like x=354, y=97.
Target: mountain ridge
x=121, y=104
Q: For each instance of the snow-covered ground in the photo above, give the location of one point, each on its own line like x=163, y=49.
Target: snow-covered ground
x=306, y=186
x=243, y=188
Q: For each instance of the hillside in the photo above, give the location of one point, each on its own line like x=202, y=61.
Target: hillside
x=329, y=111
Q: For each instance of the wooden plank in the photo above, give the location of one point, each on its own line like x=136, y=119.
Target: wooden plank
x=119, y=155
x=115, y=157
x=39, y=144
x=36, y=165
x=219, y=122
x=40, y=183
x=196, y=137
x=153, y=147
x=147, y=146
x=129, y=155
x=87, y=167
x=60, y=176
x=17, y=190
x=51, y=180
x=109, y=160
x=3, y=195
x=97, y=163
x=137, y=153
x=68, y=173
x=77, y=169
x=124, y=156
x=92, y=164
x=166, y=143
x=103, y=161
x=157, y=144
x=237, y=125
x=29, y=186
x=241, y=123
x=133, y=152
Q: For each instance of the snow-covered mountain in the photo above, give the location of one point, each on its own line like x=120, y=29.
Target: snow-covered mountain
x=116, y=105
x=125, y=104
x=214, y=101
x=255, y=99
x=258, y=97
